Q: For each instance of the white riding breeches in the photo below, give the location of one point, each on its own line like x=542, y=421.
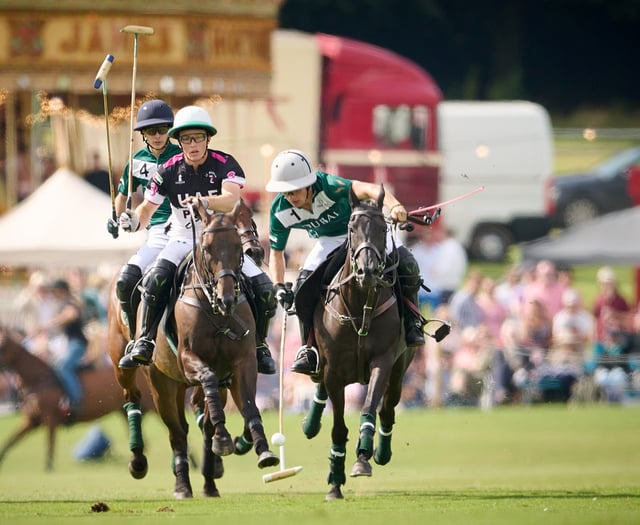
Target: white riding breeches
x=156, y=240
x=326, y=245
x=177, y=248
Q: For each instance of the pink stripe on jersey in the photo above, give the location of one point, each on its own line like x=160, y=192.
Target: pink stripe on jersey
x=218, y=157
x=174, y=160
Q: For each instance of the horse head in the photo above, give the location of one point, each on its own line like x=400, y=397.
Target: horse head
x=220, y=258
x=248, y=232
x=367, y=236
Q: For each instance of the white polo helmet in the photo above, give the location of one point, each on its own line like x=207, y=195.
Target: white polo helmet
x=192, y=117
x=290, y=171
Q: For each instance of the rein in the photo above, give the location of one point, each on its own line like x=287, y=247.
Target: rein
x=369, y=310
x=207, y=282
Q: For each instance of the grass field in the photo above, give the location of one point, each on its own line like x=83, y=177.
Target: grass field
x=532, y=464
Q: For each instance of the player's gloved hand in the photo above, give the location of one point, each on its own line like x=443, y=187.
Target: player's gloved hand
x=129, y=221
x=112, y=227
x=284, y=295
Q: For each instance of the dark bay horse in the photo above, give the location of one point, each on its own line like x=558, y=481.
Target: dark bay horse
x=118, y=336
x=360, y=339
x=215, y=344
x=43, y=392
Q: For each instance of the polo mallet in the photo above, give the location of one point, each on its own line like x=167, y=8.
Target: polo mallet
x=135, y=30
x=101, y=80
x=278, y=438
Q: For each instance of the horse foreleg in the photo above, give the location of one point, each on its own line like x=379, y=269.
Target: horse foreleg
x=211, y=469
x=138, y=465
x=339, y=434
x=364, y=450
x=312, y=424
x=244, y=395
x=28, y=425
x=222, y=443
x=382, y=453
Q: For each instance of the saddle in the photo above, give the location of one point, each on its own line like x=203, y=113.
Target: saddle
x=314, y=287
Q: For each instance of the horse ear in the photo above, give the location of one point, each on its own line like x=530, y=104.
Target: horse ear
x=381, y=196
x=236, y=210
x=200, y=209
x=353, y=199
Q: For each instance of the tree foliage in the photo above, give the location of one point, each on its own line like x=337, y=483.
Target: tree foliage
x=565, y=54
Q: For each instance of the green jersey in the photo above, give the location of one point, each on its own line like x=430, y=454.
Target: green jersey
x=329, y=217
x=144, y=167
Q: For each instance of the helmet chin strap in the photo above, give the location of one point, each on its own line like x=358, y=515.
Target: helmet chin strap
x=159, y=150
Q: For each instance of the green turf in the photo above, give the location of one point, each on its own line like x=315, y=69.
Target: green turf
x=537, y=464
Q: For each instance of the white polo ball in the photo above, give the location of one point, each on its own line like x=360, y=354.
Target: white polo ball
x=278, y=439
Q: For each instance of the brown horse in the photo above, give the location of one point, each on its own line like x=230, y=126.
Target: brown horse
x=118, y=336
x=215, y=330
x=360, y=339
x=43, y=392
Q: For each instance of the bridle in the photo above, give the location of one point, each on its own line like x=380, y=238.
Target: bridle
x=205, y=279
x=369, y=310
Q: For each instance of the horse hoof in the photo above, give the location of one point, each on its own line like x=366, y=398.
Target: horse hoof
x=310, y=428
x=138, y=467
x=223, y=446
x=268, y=459
x=361, y=467
x=182, y=494
x=210, y=492
x=334, y=493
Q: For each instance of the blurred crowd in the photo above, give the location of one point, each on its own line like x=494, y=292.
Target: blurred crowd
x=524, y=337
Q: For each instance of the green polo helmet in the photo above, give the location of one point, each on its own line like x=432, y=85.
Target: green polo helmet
x=290, y=171
x=192, y=117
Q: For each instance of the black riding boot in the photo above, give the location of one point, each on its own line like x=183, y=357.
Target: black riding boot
x=410, y=281
x=129, y=295
x=306, y=361
x=266, y=304
x=156, y=285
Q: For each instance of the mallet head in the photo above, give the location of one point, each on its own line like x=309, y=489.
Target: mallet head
x=138, y=30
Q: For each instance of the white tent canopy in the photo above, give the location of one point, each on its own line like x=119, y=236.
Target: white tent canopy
x=611, y=239
x=63, y=224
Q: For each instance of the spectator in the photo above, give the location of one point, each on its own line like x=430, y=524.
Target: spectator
x=463, y=307
x=469, y=365
x=451, y=263
x=563, y=367
x=536, y=328
x=494, y=313
x=426, y=250
x=574, y=319
x=610, y=310
x=508, y=292
x=66, y=360
x=545, y=288
x=34, y=306
x=97, y=176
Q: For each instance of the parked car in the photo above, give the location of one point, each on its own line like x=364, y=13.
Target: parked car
x=609, y=186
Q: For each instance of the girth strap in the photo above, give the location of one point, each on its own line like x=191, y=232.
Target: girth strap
x=225, y=330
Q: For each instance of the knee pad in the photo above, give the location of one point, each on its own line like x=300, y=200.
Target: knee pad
x=128, y=279
x=408, y=269
x=264, y=293
x=158, y=279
